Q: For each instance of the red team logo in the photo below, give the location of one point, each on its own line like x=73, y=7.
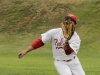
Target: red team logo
x=59, y=44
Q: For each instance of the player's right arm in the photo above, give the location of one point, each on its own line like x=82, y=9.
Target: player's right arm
x=46, y=37
x=22, y=53
x=36, y=44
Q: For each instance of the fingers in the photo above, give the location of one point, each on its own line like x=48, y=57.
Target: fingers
x=21, y=54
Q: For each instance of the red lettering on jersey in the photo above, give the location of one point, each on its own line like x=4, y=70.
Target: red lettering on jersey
x=56, y=40
x=59, y=47
x=59, y=44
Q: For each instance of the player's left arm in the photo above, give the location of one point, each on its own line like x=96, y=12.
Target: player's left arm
x=72, y=46
x=68, y=49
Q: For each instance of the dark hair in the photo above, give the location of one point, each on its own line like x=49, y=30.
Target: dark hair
x=67, y=18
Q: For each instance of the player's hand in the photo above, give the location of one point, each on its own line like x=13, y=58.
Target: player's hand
x=21, y=54
x=66, y=46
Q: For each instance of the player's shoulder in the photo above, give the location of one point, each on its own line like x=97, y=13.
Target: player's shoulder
x=75, y=35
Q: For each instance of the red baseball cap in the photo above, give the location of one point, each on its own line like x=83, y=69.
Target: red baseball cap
x=73, y=17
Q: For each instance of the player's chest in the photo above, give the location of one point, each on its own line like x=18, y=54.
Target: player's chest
x=58, y=39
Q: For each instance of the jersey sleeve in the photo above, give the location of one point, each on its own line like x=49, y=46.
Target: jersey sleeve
x=47, y=36
x=75, y=44
x=37, y=43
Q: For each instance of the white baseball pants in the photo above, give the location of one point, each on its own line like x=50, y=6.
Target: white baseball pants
x=72, y=67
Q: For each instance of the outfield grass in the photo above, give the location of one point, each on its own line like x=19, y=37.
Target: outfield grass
x=37, y=63
x=40, y=61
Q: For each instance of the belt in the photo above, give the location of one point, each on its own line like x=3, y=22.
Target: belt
x=66, y=60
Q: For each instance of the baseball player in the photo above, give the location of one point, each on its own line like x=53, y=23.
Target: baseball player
x=65, y=54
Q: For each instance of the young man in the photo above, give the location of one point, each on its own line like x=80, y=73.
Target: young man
x=66, y=61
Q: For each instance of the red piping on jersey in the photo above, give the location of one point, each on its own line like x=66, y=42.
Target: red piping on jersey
x=69, y=51
x=37, y=43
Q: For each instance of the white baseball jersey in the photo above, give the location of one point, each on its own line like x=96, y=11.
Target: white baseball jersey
x=58, y=40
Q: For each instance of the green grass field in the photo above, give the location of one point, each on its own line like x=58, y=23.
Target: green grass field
x=20, y=21
x=40, y=61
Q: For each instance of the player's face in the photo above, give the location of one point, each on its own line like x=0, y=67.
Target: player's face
x=73, y=22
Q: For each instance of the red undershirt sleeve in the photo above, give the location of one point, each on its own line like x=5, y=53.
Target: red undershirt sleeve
x=69, y=50
x=37, y=43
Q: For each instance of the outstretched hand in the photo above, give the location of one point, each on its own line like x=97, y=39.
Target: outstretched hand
x=21, y=54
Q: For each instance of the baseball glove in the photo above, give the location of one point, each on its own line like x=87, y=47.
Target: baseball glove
x=68, y=29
